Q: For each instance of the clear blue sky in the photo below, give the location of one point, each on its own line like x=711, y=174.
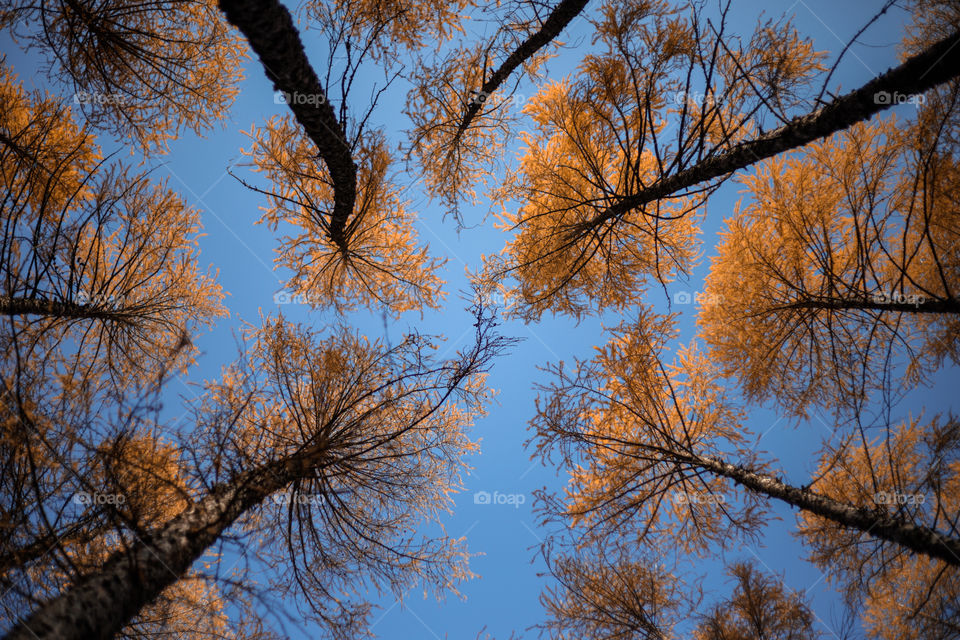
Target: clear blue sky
x=505, y=596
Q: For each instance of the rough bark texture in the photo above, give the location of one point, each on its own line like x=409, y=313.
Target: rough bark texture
x=947, y=306
x=102, y=604
x=13, y=306
x=559, y=18
x=272, y=35
x=937, y=64
x=874, y=523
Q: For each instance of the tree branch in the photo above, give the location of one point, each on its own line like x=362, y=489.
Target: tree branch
x=272, y=35
x=937, y=64
x=559, y=18
x=922, y=540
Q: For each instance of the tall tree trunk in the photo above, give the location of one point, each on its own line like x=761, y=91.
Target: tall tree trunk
x=558, y=19
x=15, y=306
x=102, y=604
x=937, y=306
x=272, y=35
x=919, y=539
x=936, y=65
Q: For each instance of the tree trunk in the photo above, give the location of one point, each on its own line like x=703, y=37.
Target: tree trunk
x=919, y=539
x=559, y=18
x=938, y=306
x=272, y=35
x=937, y=64
x=14, y=306
x=102, y=604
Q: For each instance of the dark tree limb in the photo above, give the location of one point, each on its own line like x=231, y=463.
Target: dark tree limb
x=272, y=35
x=103, y=603
x=922, y=540
x=14, y=306
x=936, y=65
x=558, y=19
x=921, y=305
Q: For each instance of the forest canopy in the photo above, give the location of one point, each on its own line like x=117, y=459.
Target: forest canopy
x=736, y=241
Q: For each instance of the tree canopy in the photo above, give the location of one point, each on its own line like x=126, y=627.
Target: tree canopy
x=600, y=145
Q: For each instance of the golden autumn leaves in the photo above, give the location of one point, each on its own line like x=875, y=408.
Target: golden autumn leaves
x=841, y=260
x=382, y=265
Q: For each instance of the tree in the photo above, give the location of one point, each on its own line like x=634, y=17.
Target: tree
x=837, y=277
x=319, y=453
x=843, y=259
x=144, y=71
x=604, y=591
x=909, y=471
x=372, y=436
x=592, y=230
x=92, y=256
x=461, y=117
x=759, y=607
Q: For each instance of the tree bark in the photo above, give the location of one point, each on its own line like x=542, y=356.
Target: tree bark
x=272, y=35
x=919, y=539
x=100, y=605
x=936, y=65
x=14, y=306
x=559, y=18
x=942, y=306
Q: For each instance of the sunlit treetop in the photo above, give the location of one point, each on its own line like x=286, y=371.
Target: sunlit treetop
x=45, y=154
x=912, y=472
x=611, y=417
x=145, y=72
x=383, y=28
x=382, y=267
x=630, y=119
x=463, y=103
x=839, y=263
x=384, y=429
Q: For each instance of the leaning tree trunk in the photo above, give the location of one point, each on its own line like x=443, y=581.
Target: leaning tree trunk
x=272, y=35
x=941, y=306
x=558, y=19
x=937, y=64
x=17, y=306
x=100, y=605
x=923, y=540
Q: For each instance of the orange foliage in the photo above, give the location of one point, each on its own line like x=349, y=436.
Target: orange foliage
x=146, y=71
x=383, y=265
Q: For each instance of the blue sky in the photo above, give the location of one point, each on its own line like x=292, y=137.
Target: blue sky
x=505, y=596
